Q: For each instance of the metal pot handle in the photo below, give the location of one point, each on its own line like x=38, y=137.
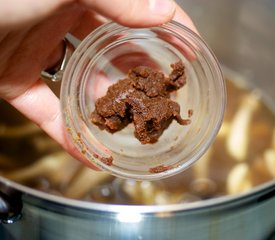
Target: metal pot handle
x=10, y=205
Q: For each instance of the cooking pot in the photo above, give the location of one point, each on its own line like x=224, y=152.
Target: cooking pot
x=242, y=37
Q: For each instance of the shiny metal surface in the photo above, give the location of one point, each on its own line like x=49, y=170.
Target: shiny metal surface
x=241, y=35
x=50, y=217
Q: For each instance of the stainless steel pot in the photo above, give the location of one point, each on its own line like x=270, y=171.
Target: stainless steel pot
x=241, y=33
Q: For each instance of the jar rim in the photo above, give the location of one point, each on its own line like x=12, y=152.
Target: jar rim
x=69, y=110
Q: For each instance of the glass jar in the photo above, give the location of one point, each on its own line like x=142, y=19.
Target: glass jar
x=103, y=58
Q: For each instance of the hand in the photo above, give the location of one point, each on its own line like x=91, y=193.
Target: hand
x=31, y=34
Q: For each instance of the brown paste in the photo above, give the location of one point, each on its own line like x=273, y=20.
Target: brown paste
x=159, y=169
x=143, y=98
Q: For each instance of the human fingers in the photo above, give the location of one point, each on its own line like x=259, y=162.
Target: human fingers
x=91, y=20
x=134, y=13
x=88, y=22
x=182, y=17
x=41, y=106
x=14, y=14
x=28, y=51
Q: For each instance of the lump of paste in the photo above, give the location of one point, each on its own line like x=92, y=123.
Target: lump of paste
x=143, y=98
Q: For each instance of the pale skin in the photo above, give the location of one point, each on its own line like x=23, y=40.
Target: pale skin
x=31, y=34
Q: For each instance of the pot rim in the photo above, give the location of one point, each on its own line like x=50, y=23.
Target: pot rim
x=248, y=197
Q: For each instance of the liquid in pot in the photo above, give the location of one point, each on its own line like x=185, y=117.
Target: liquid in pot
x=242, y=156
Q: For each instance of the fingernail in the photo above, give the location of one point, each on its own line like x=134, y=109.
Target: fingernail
x=162, y=7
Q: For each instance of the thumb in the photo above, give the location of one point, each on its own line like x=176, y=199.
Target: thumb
x=134, y=13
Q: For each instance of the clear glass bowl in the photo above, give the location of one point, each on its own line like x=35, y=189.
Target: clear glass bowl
x=104, y=57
